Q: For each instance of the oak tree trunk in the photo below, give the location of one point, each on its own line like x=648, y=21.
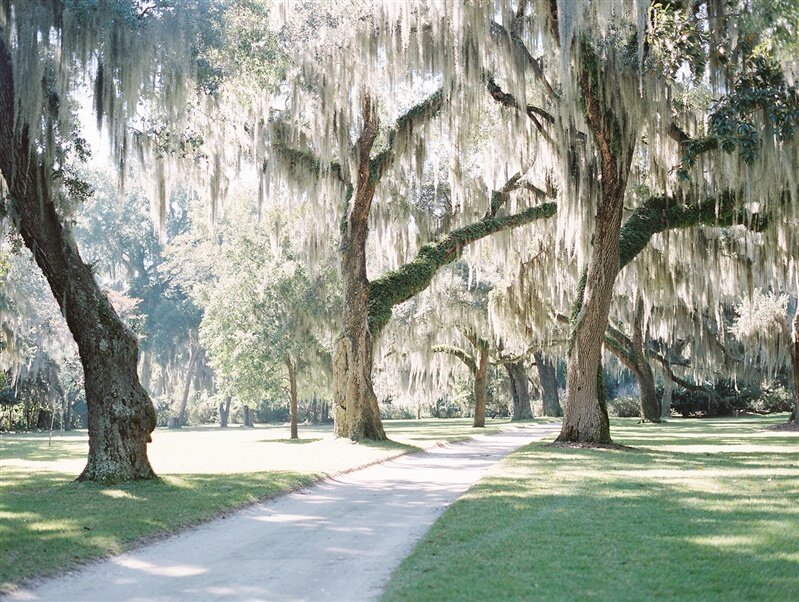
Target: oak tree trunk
x=585, y=417
x=795, y=364
x=357, y=414
x=184, y=399
x=668, y=391
x=650, y=408
x=481, y=386
x=224, y=412
x=249, y=418
x=549, y=385
x=145, y=370
x=292, y=370
x=520, y=390
x=120, y=413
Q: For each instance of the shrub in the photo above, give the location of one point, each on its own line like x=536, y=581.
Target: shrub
x=446, y=408
x=625, y=407
x=775, y=398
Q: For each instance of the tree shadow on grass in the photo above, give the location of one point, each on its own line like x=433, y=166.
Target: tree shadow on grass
x=596, y=525
x=50, y=522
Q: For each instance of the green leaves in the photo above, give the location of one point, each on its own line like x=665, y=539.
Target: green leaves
x=677, y=39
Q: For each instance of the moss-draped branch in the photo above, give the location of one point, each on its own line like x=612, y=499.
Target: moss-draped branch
x=303, y=160
x=461, y=354
x=412, y=278
x=661, y=213
x=416, y=115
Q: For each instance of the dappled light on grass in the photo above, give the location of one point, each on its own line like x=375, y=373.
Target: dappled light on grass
x=59, y=521
x=206, y=470
x=664, y=520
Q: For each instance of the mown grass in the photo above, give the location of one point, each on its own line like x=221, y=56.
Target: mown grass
x=701, y=510
x=48, y=522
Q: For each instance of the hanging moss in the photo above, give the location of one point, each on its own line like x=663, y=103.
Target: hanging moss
x=659, y=214
x=410, y=279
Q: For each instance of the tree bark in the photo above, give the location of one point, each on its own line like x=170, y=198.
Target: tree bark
x=120, y=413
x=249, y=420
x=519, y=390
x=184, y=398
x=145, y=370
x=224, y=412
x=481, y=385
x=586, y=416
x=292, y=370
x=357, y=414
x=650, y=407
x=549, y=385
x=668, y=392
x=795, y=364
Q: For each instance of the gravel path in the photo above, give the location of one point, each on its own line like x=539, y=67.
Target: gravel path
x=337, y=540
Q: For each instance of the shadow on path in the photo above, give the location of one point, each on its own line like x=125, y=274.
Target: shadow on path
x=339, y=539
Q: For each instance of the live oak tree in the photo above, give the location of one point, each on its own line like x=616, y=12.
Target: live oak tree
x=47, y=49
x=345, y=155
x=628, y=104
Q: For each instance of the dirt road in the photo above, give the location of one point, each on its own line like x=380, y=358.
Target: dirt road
x=337, y=540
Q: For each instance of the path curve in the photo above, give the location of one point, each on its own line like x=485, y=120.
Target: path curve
x=337, y=540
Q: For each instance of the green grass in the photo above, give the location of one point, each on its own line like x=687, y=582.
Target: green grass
x=701, y=510
x=49, y=522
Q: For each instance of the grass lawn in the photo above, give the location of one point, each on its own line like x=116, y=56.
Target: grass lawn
x=48, y=522
x=701, y=510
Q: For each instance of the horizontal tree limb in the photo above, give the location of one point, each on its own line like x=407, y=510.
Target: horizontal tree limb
x=412, y=278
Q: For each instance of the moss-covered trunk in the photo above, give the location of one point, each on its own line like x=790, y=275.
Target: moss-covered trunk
x=585, y=418
x=357, y=415
x=519, y=390
x=292, y=373
x=549, y=385
x=120, y=413
x=481, y=385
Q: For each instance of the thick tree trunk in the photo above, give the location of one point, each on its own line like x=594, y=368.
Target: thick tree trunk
x=481, y=386
x=519, y=390
x=224, y=412
x=121, y=415
x=650, y=408
x=668, y=392
x=549, y=385
x=795, y=363
x=357, y=414
x=292, y=370
x=586, y=416
x=184, y=398
x=249, y=418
